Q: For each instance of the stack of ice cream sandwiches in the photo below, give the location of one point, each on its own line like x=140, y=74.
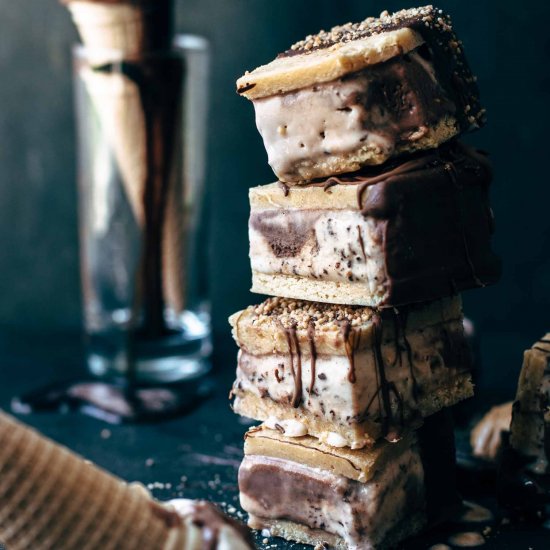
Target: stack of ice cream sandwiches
x=379, y=218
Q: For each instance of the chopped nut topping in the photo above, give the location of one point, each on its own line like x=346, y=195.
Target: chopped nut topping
x=299, y=314
x=427, y=15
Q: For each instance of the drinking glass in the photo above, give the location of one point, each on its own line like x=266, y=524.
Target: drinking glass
x=141, y=127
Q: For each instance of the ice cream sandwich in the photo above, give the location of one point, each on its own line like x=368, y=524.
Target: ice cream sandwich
x=362, y=93
x=348, y=375
x=409, y=231
x=306, y=491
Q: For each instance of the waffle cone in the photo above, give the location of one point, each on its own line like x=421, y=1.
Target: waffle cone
x=50, y=498
x=174, y=246
x=117, y=102
x=123, y=27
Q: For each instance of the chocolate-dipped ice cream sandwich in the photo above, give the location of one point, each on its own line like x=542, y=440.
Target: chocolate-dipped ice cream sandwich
x=407, y=231
x=306, y=491
x=348, y=375
x=362, y=93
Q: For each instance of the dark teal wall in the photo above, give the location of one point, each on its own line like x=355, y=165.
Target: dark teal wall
x=508, y=45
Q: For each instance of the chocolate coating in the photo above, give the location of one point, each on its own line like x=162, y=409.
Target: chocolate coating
x=434, y=219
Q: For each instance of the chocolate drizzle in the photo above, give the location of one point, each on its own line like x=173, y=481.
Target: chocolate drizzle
x=313, y=354
x=430, y=213
x=284, y=187
x=295, y=355
x=371, y=175
x=351, y=339
x=391, y=426
x=400, y=169
x=401, y=326
x=361, y=242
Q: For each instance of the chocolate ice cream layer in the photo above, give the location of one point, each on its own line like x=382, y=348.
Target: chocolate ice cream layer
x=359, y=513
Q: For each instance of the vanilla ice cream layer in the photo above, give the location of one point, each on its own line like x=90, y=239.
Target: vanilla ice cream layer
x=376, y=109
x=360, y=513
x=330, y=245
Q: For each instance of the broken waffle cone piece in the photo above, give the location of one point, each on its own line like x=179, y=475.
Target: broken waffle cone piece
x=51, y=498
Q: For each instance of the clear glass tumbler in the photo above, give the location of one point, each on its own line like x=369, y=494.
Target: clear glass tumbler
x=141, y=141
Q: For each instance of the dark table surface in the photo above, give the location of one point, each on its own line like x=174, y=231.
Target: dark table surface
x=194, y=456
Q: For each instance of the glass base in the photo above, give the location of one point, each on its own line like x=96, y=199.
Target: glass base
x=180, y=355
x=165, y=370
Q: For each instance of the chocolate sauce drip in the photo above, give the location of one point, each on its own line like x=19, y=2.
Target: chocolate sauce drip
x=295, y=366
x=384, y=389
x=396, y=332
x=159, y=83
x=350, y=338
x=401, y=322
x=446, y=247
x=431, y=217
x=326, y=184
x=331, y=182
x=285, y=188
x=313, y=354
x=361, y=242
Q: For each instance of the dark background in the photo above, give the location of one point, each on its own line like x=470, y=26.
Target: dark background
x=507, y=42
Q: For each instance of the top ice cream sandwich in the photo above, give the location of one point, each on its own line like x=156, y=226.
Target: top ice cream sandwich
x=362, y=93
